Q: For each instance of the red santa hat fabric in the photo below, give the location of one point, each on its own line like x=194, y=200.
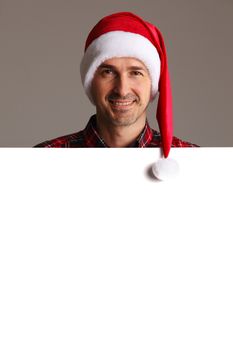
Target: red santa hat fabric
x=125, y=34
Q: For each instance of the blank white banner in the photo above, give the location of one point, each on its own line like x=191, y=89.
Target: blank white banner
x=97, y=254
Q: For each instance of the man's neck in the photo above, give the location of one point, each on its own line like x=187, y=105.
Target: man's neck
x=119, y=136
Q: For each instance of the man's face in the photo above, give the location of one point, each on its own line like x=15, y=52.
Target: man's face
x=121, y=89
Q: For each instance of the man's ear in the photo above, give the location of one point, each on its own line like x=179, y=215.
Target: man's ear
x=154, y=97
x=92, y=93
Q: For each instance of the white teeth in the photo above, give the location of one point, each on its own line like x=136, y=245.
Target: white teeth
x=121, y=103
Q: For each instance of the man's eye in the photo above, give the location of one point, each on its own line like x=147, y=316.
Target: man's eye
x=136, y=72
x=107, y=71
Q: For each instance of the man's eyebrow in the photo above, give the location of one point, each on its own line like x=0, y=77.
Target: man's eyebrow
x=136, y=68
x=106, y=66
x=109, y=66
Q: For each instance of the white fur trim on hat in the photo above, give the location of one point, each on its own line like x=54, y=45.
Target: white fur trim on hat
x=119, y=44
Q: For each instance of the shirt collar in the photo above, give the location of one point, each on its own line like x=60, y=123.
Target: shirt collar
x=93, y=139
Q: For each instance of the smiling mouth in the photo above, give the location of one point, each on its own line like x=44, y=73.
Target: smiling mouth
x=119, y=104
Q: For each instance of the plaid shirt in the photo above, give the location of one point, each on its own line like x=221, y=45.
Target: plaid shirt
x=89, y=137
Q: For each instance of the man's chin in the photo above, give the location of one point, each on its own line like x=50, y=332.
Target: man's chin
x=123, y=120
x=120, y=118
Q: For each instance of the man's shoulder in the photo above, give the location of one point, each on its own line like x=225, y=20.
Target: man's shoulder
x=71, y=140
x=176, y=142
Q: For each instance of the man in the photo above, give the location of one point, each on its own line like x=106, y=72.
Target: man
x=123, y=68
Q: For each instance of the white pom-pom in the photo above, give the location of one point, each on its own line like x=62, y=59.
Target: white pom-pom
x=165, y=169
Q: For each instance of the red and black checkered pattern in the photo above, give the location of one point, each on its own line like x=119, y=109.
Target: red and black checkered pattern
x=89, y=137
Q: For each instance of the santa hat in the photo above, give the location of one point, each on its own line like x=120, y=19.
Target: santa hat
x=125, y=34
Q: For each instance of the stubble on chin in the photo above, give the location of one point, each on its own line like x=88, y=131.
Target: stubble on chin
x=124, y=120
x=117, y=119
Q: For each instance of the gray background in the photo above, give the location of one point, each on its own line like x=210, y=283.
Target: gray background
x=41, y=43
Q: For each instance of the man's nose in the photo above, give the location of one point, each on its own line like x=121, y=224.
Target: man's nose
x=122, y=85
